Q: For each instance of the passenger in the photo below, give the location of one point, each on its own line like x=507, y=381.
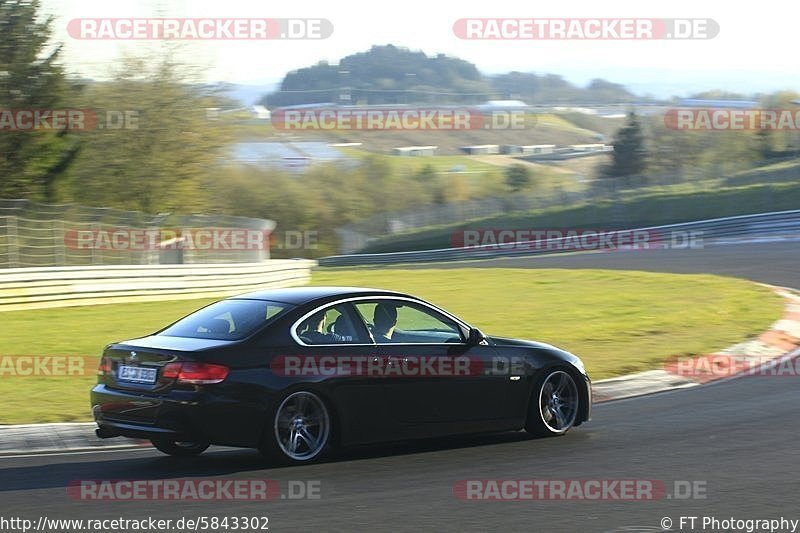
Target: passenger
x=316, y=333
x=384, y=320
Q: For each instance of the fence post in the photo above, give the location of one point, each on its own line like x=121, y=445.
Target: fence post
x=92, y=248
x=60, y=251
x=13, y=242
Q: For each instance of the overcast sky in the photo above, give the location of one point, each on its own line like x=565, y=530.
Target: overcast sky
x=754, y=51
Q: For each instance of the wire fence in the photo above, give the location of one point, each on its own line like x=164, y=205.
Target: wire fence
x=39, y=235
x=356, y=236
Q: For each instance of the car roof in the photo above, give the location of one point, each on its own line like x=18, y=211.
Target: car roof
x=301, y=295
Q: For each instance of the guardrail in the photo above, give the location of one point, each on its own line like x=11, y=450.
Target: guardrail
x=776, y=224
x=34, y=288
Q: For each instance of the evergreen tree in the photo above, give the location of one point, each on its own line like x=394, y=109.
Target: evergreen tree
x=629, y=156
x=31, y=78
x=517, y=177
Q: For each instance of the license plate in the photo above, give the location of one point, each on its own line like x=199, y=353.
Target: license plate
x=137, y=374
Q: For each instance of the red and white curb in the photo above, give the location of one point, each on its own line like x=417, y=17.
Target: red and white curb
x=777, y=345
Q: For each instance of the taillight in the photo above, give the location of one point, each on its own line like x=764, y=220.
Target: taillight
x=195, y=373
x=104, y=367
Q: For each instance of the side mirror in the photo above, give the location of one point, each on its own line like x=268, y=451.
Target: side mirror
x=475, y=337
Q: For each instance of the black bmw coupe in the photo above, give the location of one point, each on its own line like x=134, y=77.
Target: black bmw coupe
x=295, y=372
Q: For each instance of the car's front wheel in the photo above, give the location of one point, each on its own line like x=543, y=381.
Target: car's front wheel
x=554, y=404
x=180, y=448
x=301, y=429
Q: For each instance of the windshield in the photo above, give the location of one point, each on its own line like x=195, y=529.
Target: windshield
x=226, y=320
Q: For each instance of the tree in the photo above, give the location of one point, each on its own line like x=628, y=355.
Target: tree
x=629, y=156
x=518, y=177
x=765, y=143
x=167, y=155
x=31, y=78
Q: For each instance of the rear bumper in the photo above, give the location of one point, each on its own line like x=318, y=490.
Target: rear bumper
x=179, y=415
x=107, y=429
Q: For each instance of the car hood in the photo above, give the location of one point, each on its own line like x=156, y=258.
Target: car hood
x=503, y=341
x=558, y=352
x=184, y=344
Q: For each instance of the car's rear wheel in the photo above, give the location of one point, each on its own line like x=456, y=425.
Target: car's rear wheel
x=554, y=404
x=180, y=448
x=301, y=429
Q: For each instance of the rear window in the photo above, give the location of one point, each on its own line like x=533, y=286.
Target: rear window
x=226, y=320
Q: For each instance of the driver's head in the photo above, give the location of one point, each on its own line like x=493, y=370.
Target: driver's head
x=384, y=318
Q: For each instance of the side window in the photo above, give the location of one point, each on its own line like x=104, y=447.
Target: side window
x=329, y=326
x=393, y=321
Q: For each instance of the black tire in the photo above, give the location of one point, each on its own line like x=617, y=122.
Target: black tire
x=554, y=404
x=180, y=448
x=301, y=417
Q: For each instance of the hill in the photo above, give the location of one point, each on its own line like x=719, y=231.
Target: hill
x=393, y=75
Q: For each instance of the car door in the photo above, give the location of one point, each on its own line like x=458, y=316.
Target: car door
x=334, y=350
x=434, y=378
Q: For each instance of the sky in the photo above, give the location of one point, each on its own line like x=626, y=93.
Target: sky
x=751, y=53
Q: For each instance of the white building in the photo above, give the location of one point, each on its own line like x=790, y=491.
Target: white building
x=597, y=147
x=481, y=149
x=415, y=151
x=260, y=112
x=528, y=149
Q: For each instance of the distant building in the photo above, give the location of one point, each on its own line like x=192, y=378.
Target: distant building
x=503, y=105
x=293, y=156
x=582, y=110
x=260, y=112
x=415, y=151
x=320, y=105
x=296, y=163
x=481, y=149
x=528, y=149
x=721, y=104
x=597, y=147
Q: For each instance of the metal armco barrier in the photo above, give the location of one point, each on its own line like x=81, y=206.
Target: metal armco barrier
x=34, y=288
x=777, y=224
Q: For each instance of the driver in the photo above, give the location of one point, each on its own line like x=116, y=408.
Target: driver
x=384, y=320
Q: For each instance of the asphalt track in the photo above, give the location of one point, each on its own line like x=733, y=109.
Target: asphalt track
x=777, y=263
x=738, y=439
